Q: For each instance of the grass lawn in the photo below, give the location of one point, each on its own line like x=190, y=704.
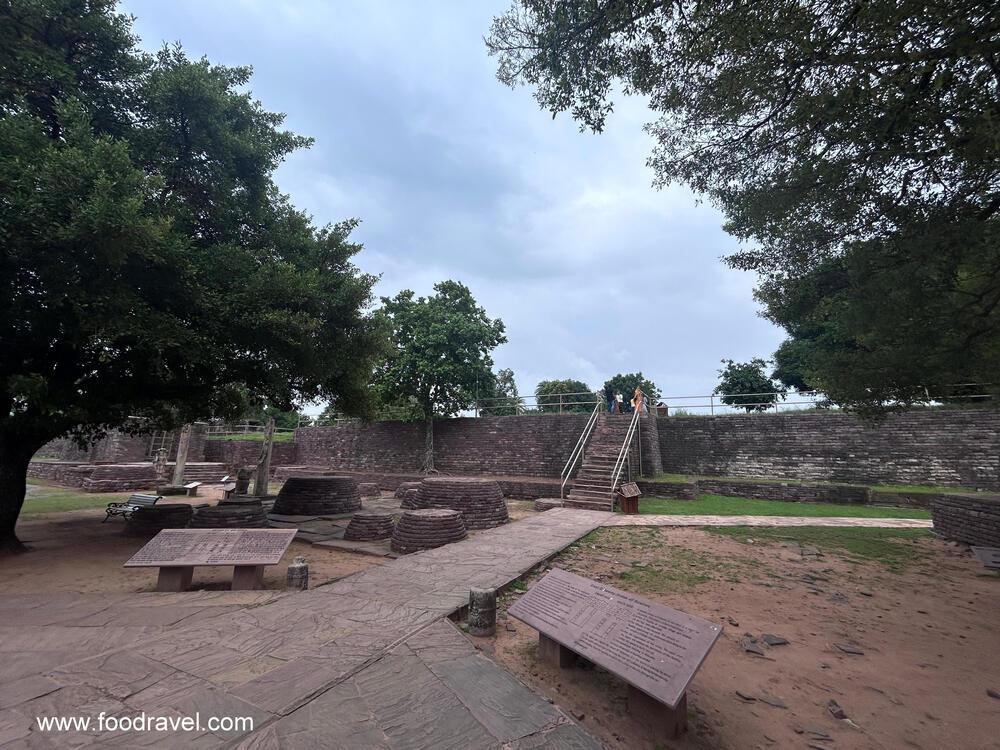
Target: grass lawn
x=47, y=499
x=893, y=548
x=917, y=488
x=719, y=505
x=253, y=437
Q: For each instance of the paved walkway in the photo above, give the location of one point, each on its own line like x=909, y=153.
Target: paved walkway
x=366, y=661
x=868, y=523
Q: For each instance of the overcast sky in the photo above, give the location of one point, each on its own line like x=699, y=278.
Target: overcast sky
x=454, y=176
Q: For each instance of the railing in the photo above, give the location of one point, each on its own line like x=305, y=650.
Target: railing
x=547, y=403
x=623, y=454
x=579, y=448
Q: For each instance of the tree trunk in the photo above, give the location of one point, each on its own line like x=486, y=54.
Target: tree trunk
x=429, y=444
x=15, y=455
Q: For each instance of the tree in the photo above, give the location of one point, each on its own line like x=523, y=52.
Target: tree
x=501, y=398
x=149, y=266
x=854, y=146
x=746, y=384
x=557, y=396
x=791, y=363
x=282, y=418
x=626, y=384
x=439, y=350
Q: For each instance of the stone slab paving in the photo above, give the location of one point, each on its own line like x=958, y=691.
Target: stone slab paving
x=364, y=662
x=870, y=523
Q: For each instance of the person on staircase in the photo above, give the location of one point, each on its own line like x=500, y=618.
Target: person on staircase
x=609, y=397
x=639, y=401
x=618, y=404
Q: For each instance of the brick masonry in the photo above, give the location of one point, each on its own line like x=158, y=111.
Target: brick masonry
x=969, y=519
x=239, y=453
x=516, y=446
x=943, y=447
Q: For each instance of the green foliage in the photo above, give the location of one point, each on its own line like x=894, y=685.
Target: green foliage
x=148, y=264
x=547, y=394
x=789, y=365
x=749, y=378
x=854, y=148
x=500, y=398
x=439, y=352
x=626, y=384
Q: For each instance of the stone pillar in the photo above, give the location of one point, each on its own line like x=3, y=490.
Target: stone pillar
x=298, y=574
x=482, y=612
x=264, y=466
x=183, y=443
x=196, y=446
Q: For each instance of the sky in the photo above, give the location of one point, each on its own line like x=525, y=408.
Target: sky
x=557, y=232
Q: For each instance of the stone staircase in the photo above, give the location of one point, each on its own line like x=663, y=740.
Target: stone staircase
x=592, y=485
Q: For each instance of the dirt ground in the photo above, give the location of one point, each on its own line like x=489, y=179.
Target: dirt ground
x=74, y=552
x=929, y=636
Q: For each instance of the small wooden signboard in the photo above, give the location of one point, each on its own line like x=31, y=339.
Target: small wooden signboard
x=176, y=552
x=988, y=556
x=654, y=648
x=628, y=498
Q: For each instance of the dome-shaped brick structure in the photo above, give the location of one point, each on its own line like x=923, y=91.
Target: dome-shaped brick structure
x=400, y=492
x=480, y=500
x=318, y=496
x=233, y=516
x=411, y=499
x=152, y=520
x=369, y=526
x=427, y=528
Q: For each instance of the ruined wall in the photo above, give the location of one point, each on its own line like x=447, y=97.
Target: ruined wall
x=944, y=447
x=518, y=446
x=237, y=453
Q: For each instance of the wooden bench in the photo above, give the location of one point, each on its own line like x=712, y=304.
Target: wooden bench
x=652, y=647
x=131, y=505
x=192, y=488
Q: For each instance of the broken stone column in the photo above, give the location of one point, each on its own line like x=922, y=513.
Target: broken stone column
x=298, y=574
x=263, y=475
x=482, y=612
x=183, y=443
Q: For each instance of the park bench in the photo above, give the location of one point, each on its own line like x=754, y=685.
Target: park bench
x=192, y=488
x=131, y=505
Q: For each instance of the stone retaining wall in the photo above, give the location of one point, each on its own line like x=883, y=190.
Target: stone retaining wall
x=238, y=453
x=929, y=447
x=968, y=518
x=519, y=446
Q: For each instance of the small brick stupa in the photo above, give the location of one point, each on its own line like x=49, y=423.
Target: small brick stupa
x=480, y=500
x=427, y=528
x=318, y=496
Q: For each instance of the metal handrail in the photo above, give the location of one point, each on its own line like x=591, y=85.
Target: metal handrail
x=623, y=454
x=578, y=449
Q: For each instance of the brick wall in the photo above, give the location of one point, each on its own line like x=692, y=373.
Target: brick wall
x=518, y=446
x=946, y=447
x=237, y=453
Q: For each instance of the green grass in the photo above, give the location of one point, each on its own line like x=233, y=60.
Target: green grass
x=895, y=549
x=253, y=437
x=50, y=499
x=719, y=505
x=917, y=488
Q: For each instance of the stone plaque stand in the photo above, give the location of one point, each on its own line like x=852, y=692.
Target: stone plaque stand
x=248, y=577
x=174, y=578
x=664, y=722
x=553, y=652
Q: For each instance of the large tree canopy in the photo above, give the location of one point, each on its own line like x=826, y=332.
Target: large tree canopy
x=148, y=264
x=855, y=146
x=439, y=354
x=557, y=396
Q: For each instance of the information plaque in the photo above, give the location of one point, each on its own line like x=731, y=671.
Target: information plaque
x=187, y=547
x=651, y=646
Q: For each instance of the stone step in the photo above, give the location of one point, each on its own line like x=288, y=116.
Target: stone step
x=572, y=502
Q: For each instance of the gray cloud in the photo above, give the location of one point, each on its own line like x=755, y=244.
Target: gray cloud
x=454, y=176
